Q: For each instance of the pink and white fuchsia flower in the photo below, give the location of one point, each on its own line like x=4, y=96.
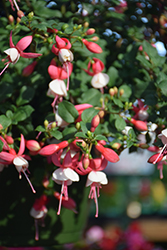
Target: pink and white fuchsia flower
x=96, y=178
x=64, y=175
x=15, y=51
x=18, y=160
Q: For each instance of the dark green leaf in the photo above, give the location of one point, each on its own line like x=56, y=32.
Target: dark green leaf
x=88, y=114
x=120, y=123
x=67, y=111
x=5, y=121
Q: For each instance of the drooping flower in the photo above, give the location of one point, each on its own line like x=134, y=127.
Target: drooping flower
x=52, y=148
x=94, y=66
x=18, y=160
x=140, y=110
x=15, y=51
x=64, y=175
x=38, y=212
x=95, y=179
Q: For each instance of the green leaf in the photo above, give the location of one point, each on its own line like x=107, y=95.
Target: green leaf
x=69, y=132
x=83, y=127
x=1, y=146
x=127, y=92
x=100, y=137
x=5, y=121
x=92, y=97
x=113, y=74
x=81, y=135
x=120, y=123
x=67, y=111
x=6, y=91
x=22, y=113
x=56, y=134
x=117, y=102
x=26, y=95
x=163, y=86
x=40, y=129
x=88, y=114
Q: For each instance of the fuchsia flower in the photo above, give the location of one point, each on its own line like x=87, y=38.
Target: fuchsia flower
x=62, y=49
x=139, y=125
x=57, y=87
x=53, y=148
x=96, y=178
x=15, y=51
x=69, y=204
x=38, y=212
x=64, y=175
x=99, y=80
x=140, y=110
x=18, y=160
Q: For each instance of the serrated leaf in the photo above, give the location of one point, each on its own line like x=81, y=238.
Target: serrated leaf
x=67, y=111
x=88, y=114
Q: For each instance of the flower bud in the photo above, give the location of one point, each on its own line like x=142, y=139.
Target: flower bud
x=90, y=31
x=93, y=47
x=115, y=90
x=20, y=13
x=9, y=139
x=18, y=20
x=29, y=69
x=101, y=113
x=139, y=125
x=46, y=123
x=155, y=158
x=95, y=38
x=33, y=145
x=95, y=121
x=111, y=91
x=53, y=125
x=11, y=19
x=78, y=125
x=116, y=145
x=86, y=24
x=31, y=14
x=86, y=161
x=121, y=92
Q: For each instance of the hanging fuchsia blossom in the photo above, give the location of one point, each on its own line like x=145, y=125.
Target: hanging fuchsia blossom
x=64, y=175
x=18, y=160
x=62, y=49
x=15, y=51
x=57, y=87
x=140, y=110
x=99, y=80
x=38, y=212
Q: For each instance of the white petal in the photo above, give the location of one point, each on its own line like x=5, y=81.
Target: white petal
x=13, y=54
x=65, y=55
x=100, y=80
x=37, y=214
x=58, y=87
x=88, y=182
x=96, y=176
x=163, y=136
x=20, y=163
x=58, y=174
x=71, y=174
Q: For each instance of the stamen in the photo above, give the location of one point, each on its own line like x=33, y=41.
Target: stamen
x=61, y=196
x=4, y=69
x=15, y=3
x=29, y=182
x=36, y=230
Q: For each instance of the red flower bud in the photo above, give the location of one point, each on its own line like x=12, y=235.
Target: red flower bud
x=52, y=148
x=93, y=47
x=90, y=31
x=108, y=153
x=29, y=69
x=20, y=13
x=33, y=145
x=139, y=125
x=9, y=139
x=95, y=121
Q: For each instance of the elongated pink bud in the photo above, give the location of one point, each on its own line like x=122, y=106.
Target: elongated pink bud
x=9, y=139
x=95, y=121
x=139, y=125
x=29, y=69
x=93, y=47
x=156, y=158
x=33, y=145
x=52, y=148
x=108, y=153
x=86, y=161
